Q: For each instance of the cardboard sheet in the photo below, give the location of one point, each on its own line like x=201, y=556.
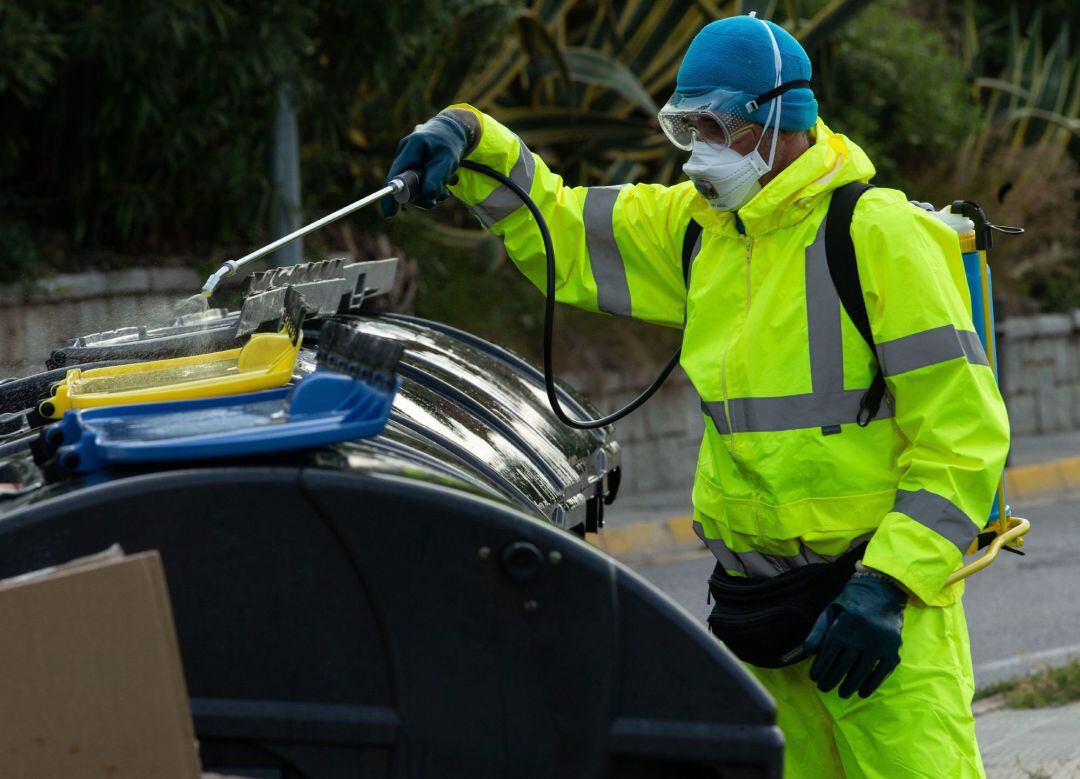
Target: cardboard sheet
x=91, y=683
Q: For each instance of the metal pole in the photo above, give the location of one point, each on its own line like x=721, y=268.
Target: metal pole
x=407, y=183
x=285, y=179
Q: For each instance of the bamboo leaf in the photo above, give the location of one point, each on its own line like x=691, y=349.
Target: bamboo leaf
x=538, y=41
x=449, y=235
x=1003, y=86
x=565, y=126
x=589, y=66
x=710, y=10
x=623, y=171
x=1030, y=112
x=970, y=38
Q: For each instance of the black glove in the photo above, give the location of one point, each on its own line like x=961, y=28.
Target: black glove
x=434, y=150
x=857, y=636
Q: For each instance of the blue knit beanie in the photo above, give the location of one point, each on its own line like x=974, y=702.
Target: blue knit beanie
x=736, y=53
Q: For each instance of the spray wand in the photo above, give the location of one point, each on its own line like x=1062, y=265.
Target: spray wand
x=402, y=188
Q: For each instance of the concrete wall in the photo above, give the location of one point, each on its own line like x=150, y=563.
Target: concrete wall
x=660, y=440
x=37, y=317
x=1042, y=372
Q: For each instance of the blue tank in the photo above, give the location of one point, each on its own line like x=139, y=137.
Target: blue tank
x=973, y=261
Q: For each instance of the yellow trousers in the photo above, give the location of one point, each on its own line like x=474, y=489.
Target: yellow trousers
x=917, y=724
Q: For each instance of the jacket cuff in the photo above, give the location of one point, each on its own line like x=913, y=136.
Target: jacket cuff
x=916, y=556
x=474, y=129
x=496, y=147
x=860, y=568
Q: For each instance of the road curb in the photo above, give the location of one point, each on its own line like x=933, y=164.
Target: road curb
x=1029, y=481
x=676, y=534
x=650, y=537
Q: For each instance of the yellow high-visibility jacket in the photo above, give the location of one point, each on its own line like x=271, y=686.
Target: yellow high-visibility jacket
x=785, y=476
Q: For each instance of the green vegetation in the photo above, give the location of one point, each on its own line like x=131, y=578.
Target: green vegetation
x=881, y=66
x=142, y=128
x=1047, y=687
x=139, y=131
x=1020, y=160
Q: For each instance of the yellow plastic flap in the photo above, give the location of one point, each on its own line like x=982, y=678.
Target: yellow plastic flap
x=264, y=362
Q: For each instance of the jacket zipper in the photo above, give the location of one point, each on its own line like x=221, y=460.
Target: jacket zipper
x=749, y=252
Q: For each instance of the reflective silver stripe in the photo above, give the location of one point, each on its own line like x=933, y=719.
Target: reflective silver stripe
x=939, y=514
x=612, y=289
x=502, y=202
x=789, y=412
x=973, y=348
x=930, y=347
x=823, y=320
x=720, y=551
x=760, y=565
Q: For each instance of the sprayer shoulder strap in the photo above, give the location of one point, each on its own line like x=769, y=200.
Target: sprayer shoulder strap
x=690, y=239
x=844, y=270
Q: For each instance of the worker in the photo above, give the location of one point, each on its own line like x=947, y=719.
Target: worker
x=828, y=517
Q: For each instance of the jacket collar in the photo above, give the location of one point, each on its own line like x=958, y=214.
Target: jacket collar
x=832, y=161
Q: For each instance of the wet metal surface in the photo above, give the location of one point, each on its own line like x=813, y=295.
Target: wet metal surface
x=468, y=413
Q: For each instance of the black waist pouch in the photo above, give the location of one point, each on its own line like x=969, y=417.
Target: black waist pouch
x=765, y=621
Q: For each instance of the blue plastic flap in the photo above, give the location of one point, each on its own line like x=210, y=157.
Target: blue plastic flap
x=322, y=408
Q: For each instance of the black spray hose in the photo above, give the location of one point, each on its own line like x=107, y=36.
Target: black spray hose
x=549, y=317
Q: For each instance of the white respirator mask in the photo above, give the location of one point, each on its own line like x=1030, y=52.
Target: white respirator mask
x=726, y=179
x=729, y=180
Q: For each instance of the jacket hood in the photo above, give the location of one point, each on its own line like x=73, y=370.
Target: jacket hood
x=832, y=161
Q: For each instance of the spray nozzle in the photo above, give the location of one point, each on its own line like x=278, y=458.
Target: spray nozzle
x=228, y=269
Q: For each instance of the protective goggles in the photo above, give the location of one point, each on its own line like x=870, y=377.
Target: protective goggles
x=716, y=116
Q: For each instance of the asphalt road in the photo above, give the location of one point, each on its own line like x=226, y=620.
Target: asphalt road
x=1022, y=611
